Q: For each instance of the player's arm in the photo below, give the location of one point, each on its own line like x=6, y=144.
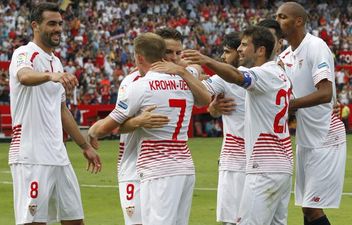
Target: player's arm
x=146, y=119
x=322, y=95
x=103, y=127
x=200, y=93
x=30, y=77
x=70, y=126
x=225, y=71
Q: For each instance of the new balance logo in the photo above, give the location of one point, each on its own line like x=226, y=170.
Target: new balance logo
x=315, y=199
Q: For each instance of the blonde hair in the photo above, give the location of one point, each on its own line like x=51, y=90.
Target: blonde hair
x=151, y=46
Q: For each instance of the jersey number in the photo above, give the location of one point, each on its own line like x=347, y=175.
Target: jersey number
x=34, y=189
x=285, y=95
x=129, y=191
x=180, y=103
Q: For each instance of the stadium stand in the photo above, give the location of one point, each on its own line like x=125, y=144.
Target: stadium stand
x=97, y=39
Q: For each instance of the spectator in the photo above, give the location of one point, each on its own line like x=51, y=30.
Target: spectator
x=96, y=36
x=345, y=113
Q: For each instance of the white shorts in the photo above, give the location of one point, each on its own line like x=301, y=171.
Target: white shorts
x=230, y=188
x=130, y=201
x=167, y=200
x=265, y=199
x=45, y=193
x=319, y=176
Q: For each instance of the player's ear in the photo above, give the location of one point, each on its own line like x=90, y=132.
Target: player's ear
x=299, y=21
x=261, y=51
x=35, y=25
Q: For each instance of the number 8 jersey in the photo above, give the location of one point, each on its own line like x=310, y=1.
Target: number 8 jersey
x=164, y=151
x=267, y=138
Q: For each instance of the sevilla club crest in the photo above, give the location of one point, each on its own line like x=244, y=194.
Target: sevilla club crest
x=130, y=211
x=32, y=209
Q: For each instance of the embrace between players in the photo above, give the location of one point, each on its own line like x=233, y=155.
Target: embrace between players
x=254, y=89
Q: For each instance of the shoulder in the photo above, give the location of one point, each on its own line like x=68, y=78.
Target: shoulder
x=24, y=50
x=268, y=68
x=134, y=76
x=316, y=42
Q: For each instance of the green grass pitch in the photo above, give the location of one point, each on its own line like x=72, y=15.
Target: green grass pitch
x=100, y=194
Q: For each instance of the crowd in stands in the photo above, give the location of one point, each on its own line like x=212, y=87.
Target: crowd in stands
x=98, y=35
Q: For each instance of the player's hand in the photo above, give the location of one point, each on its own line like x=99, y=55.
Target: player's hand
x=166, y=67
x=93, y=141
x=337, y=109
x=151, y=120
x=194, y=57
x=94, y=164
x=68, y=81
x=203, y=76
x=183, y=63
x=222, y=106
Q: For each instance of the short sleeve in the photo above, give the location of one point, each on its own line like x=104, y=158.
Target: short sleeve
x=255, y=79
x=214, y=84
x=21, y=59
x=322, y=62
x=129, y=104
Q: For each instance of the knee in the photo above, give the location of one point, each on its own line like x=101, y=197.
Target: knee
x=312, y=213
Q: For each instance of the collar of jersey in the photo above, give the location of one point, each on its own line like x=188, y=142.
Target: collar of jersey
x=41, y=51
x=301, y=46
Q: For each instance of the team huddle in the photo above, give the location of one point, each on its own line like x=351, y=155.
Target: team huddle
x=255, y=89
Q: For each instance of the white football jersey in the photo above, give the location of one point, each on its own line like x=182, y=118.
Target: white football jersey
x=36, y=111
x=306, y=66
x=233, y=155
x=129, y=142
x=164, y=151
x=267, y=139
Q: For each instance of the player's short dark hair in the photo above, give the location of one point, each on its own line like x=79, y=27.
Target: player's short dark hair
x=151, y=46
x=273, y=24
x=37, y=11
x=261, y=36
x=169, y=33
x=232, y=40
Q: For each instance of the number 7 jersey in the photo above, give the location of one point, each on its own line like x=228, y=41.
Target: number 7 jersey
x=267, y=138
x=164, y=151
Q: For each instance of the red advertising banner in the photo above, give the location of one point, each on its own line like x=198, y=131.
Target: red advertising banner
x=345, y=58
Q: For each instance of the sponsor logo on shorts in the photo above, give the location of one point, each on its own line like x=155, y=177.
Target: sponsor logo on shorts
x=316, y=199
x=122, y=105
x=32, y=209
x=130, y=211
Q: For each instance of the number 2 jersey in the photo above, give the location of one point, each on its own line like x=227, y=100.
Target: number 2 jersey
x=163, y=151
x=267, y=139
